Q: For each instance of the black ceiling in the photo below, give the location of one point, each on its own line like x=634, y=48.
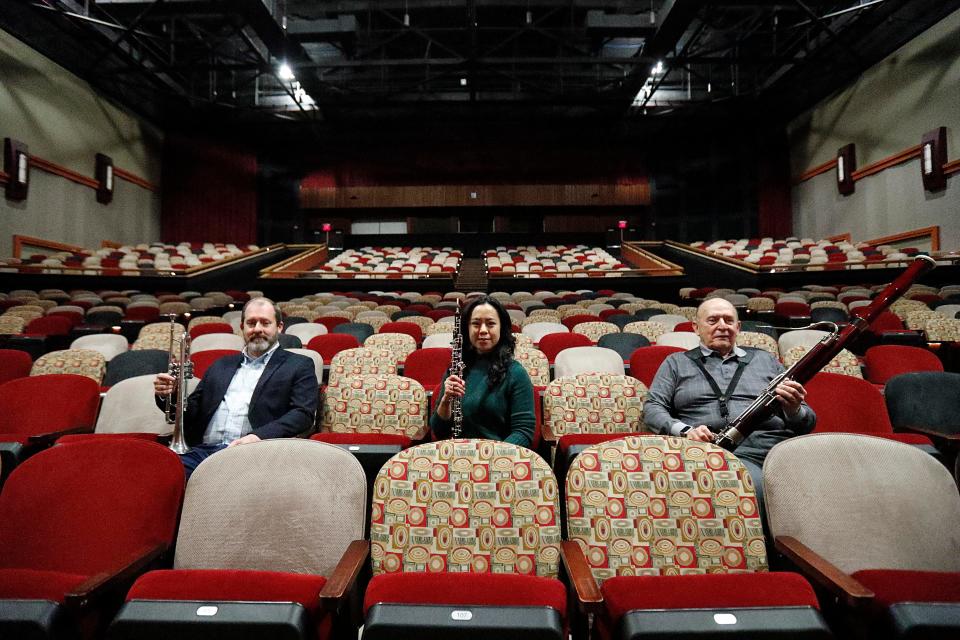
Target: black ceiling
x=217, y=61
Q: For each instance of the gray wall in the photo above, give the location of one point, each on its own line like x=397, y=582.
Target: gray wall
x=63, y=120
x=912, y=91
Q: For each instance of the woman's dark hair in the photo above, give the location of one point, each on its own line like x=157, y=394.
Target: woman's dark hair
x=502, y=353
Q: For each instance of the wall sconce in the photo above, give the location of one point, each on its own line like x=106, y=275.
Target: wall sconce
x=846, y=164
x=933, y=155
x=621, y=224
x=326, y=227
x=16, y=164
x=104, y=176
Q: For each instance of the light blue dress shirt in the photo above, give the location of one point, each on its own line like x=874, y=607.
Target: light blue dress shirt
x=231, y=420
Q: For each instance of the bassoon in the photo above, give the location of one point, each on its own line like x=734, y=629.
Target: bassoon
x=819, y=356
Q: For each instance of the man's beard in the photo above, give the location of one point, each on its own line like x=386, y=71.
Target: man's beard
x=260, y=345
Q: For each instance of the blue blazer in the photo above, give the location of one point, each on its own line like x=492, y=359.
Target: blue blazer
x=284, y=401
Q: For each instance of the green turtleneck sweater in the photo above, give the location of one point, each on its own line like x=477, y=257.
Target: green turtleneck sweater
x=502, y=413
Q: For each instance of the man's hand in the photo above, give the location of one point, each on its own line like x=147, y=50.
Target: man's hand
x=247, y=439
x=700, y=433
x=164, y=384
x=790, y=394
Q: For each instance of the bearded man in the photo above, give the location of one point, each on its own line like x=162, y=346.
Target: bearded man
x=262, y=392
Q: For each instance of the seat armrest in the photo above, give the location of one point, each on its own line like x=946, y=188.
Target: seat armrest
x=578, y=572
x=47, y=439
x=823, y=572
x=344, y=576
x=100, y=584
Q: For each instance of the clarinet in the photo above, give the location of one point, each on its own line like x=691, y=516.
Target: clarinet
x=456, y=369
x=820, y=356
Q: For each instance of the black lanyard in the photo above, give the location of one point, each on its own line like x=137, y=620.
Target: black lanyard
x=697, y=356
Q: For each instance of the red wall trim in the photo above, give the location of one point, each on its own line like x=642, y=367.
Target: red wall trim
x=872, y=169
x=73, y=176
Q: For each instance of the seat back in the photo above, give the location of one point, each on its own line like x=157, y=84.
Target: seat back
x=537, y=330
x=649, y=505
x=83, y=507
x=314, y=356
x=475, y=506
x=535, y=363
x=285, y=505
x=623, y=343
x=129, y=407
x=757, y=340
x=800, y=337
x=576, y=360
x=650, y=330
x=306, y=331
x=844, y=362
x=359, y=330
x=203, y=359
x=924, y=399
x=683, y=339
x=848, y=404
x=593, y=403
x=645, y=361
x=361, y=361
x=596, y=330
x=376, y=403
x=109, y=345
x=864, y=502
x=136, y=363
x=47, y=403
x=401, y=344
x=552, y=344
x=211, y=341
x=428, y=365
x=14, y=364
x=884, y=361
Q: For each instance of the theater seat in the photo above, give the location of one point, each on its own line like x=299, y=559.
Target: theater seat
x=75, y=518
x=671, y=553
x=270, y=532
x=490, y=545
x=878, y=525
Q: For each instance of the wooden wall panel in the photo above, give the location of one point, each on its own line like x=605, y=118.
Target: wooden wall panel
x=519, y=195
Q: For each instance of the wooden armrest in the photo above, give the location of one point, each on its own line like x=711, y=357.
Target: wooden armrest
x=97, y=585
x=823, y=572
x=581, y=578
x=47, y=439
x=344, y=575
x=933, y=433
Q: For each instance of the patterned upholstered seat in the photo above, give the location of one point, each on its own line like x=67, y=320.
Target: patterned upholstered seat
x=669, y=523
x=401, y=344
x=758, y=340
x=535, y=363
x=844, y=362
x=465, y=522
x=595, y=330
x=361, y=361
x=522, y=340
x=940, y=329
x=593, y=404
x=649, y=330
x=376, y=404
x=917, y=319
x=83, y=362
x=760, y=305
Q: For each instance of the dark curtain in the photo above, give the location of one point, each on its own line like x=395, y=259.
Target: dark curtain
x=209, y=192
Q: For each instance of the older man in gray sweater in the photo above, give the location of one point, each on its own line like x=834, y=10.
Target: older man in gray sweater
x=697, y=393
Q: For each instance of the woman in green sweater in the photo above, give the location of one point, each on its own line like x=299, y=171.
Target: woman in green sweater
x=496, y=392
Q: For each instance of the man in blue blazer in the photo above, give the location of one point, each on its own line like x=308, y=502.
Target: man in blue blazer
x=262, y=392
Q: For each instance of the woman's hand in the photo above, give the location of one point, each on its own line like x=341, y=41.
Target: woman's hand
x=453, y=387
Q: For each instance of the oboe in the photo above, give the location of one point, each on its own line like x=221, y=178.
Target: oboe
x=456, y=369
